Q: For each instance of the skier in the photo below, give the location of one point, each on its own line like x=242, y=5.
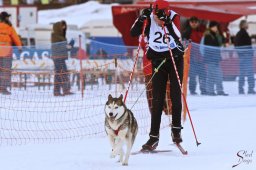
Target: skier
x=161, y=19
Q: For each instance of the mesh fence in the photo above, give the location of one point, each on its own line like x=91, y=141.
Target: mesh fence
x=58, y=94
x=210, y=66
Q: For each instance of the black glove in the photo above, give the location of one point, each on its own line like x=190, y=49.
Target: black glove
x=72, y=42
x=145, y=14
x=180, y=45
x=162, y=15
x=180, y=48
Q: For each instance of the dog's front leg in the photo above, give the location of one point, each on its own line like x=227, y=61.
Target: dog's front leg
x=121, y=155
x=119, y=149
x=128, y=141
x=112, y=143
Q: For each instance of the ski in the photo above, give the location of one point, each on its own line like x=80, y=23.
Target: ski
x=182, y=150
x=142, y=151
x=150, y=152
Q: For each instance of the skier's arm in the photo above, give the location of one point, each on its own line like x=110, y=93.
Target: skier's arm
x=136, y=29
x=173, y=26
x=170, y=26
x=171, y=23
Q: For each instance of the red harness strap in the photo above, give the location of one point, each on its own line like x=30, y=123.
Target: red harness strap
x=116, y=131
x=122, y=125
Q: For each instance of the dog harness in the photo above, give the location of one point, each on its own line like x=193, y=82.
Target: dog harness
x=117, y=131
x=122, y=126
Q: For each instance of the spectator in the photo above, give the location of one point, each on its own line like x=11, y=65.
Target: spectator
x=59, y=55
x=244, y=45
x=158, y=50
x=101, y=54
x=197, y=66
x=8, y=37
x=212, y=59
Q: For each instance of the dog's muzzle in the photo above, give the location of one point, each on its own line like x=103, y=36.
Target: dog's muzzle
x=111, y=117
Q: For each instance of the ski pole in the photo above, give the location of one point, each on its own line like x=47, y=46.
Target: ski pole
x=135, y=62
x=178, y=77
x=81, y=66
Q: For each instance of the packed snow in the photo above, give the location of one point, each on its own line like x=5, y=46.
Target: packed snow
x=224, y=125
x=77, y=14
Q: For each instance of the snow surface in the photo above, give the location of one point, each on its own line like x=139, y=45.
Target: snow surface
x=224, y=126
x=77, y=14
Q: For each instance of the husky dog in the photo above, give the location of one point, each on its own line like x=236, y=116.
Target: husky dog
x=121, y=127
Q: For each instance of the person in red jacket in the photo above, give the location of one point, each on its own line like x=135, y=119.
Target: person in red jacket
x=8, y=38
x=194, y=33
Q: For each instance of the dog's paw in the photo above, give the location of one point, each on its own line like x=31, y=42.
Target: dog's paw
x=120, y=159
x=125, y=163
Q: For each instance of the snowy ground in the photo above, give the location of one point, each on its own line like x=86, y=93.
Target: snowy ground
x=77, y=14
x=224, y=126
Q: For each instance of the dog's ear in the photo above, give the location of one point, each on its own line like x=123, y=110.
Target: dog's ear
x=110, y=97
x=121, y=97
x=120, y=100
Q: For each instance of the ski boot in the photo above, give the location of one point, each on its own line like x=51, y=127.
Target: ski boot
x=151, y=144
x=176, y=136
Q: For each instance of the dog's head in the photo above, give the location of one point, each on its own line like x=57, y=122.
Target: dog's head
x=114, y=107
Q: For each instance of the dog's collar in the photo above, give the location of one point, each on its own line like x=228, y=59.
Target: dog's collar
x=120, y=118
